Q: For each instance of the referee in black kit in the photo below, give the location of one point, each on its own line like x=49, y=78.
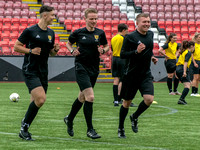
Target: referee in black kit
x=39, y=41
x=137, y=49
x=88, y=41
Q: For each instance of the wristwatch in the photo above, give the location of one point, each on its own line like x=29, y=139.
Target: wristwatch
x=30, y=51
x=136, y=52
x=72, y=51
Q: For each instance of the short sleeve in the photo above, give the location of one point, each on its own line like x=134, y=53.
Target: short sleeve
x=25, y=36
x=103, y=40
x=73, y=37
x=187, y=56
x=165, y=46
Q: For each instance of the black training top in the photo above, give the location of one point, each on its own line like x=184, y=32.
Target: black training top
x=137, y=64
x=33, y=37
x=88, y=42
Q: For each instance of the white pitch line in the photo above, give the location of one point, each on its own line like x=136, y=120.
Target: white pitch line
x=89, y=141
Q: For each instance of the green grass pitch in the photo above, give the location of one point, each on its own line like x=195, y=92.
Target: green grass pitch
x=164, y=126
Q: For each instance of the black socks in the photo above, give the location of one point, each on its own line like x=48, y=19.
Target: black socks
x=176, y=82
x=76, y=106
x=184, y=93
x=115, y=92
x=169, y=84
x=88, y=111
x=122, y=115
x=31, y=113
x=141, y=108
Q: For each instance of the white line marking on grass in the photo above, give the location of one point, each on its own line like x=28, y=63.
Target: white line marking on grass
x=172, y=111
x=90, y=141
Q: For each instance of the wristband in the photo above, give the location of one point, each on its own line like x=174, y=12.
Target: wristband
x=55, y=50
x=30, y=51
x=103, y=51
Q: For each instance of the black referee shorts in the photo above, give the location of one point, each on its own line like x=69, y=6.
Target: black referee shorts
x=170, y=65
x=179, y=73
x=118, y=67
x=33, y=81
x=130, y=86
x=194, y=69
x=83, y=78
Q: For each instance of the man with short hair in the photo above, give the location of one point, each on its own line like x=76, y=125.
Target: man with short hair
x=117, y=62
x=39, y=41
x=137, y=49
x=88, y=41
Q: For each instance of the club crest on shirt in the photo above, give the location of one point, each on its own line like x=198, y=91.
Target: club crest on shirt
x=96, y=37
x=50, y=38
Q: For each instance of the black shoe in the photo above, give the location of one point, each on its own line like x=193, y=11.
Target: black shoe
x=92, y=134
x=24, y=134
x=69, y=126
x=182, y=102
x=121, y=133
x=116, y=104
x=134, y=123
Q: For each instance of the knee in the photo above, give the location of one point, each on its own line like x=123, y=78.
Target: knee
x=40, y=101
x=148, y=101
x=90, y=98
x=126, y=104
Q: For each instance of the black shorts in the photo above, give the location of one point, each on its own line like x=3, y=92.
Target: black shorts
x=118, y=67
x=83, y=78
x=194, y=69
x=32, y=81
x=179, y=73
x=170, y=65
x=130, y=86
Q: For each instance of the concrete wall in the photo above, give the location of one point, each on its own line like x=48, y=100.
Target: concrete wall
x=60, y=69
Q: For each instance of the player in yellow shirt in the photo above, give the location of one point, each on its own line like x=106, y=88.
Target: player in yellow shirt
x=196, y=65
x=182, y=69
x=171, y=50
x=117, y=62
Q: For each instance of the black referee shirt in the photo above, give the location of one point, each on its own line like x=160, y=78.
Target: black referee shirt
x=33, y=37
x=137, y=64
x=88, y=42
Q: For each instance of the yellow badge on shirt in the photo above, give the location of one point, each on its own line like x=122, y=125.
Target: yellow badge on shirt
x=49, y=37
x=96, y=37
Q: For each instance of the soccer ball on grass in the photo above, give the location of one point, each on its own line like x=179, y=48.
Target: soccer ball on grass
x=14, y=97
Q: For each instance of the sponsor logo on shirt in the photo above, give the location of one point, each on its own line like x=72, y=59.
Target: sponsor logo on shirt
x=84, y=38
x=37, y=36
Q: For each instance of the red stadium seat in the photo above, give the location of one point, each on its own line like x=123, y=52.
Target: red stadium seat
x=183, y=16
x=175, y=2
x=191, y=16
x=100, y=7
x=145, y=2
x=168, y=16
x=175, y=8
x=184, y=24
x=17, y=5
x=62, y=51
x=5, y=29
x=161, y=24
x=197, y=8
x=191, y=24
x=22, y=28
x=160, y=8
x=184, y=30
x=146, y=8
x=160, y=2
x=190, y=8
x=108, y=16
x=153, y=2
x=82, y=23
x=190, y=2
x=176, y=16
x=100, y=15
x=161, y=16
x=196, y=2
x=6, y=51
x=14, y=29
x=176, y=24
x=168, y=8
x=13, y=36
x=109, y=7
x=192, y=30
x=7, y=21
x=153, y=16
x=15, y=21
x=76, y=23
x=182, y=2
x=116, y=16
x=100, y=24
x=131, y=23
x=23, y=21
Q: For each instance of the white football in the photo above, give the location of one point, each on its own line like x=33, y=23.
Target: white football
x=14, y=97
